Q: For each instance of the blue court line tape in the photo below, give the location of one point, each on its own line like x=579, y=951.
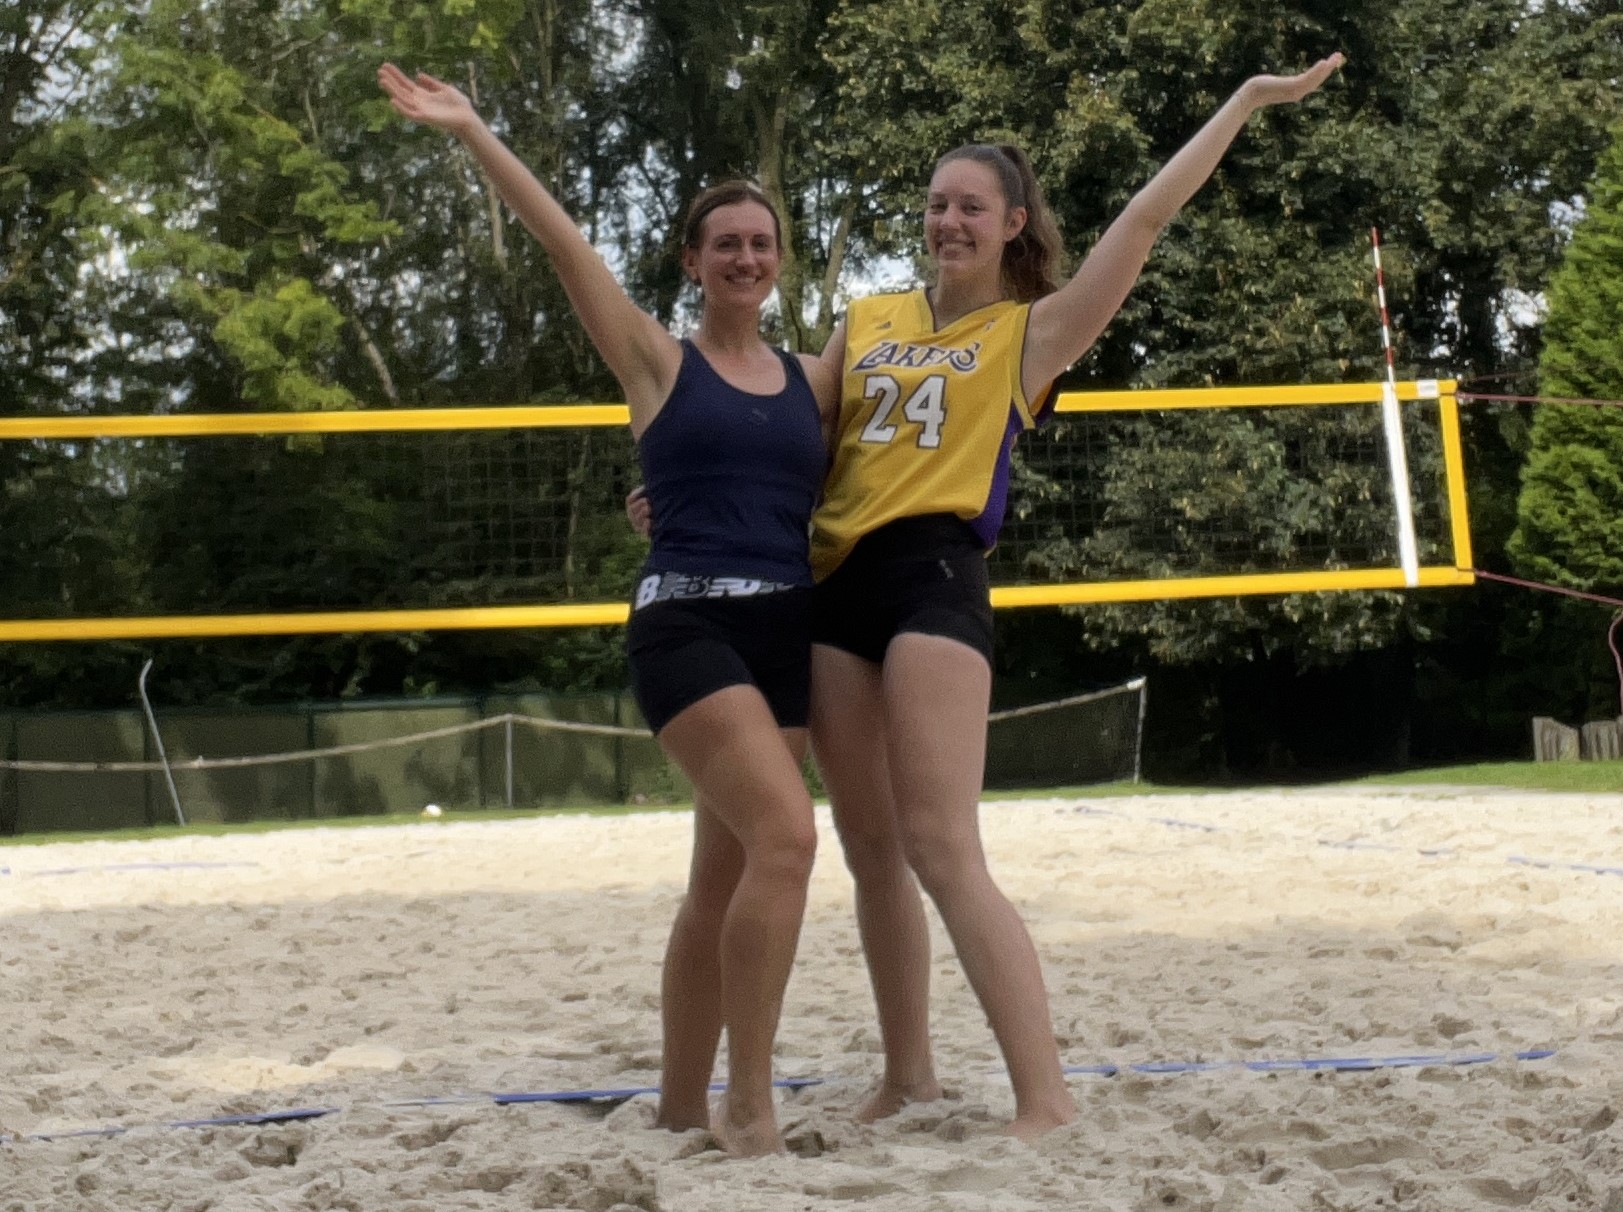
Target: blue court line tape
x=1356, y=844
x=1178, y=823
x=263, y=1117
x=627, y=1092
x=1551, y=864
x=621, y=1094
x=199, y=866
x=1350, y=1064
x=1353, y=843
x=219, y=1121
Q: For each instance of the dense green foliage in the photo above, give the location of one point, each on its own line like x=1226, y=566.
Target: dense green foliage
x=209, y=206
x=1569, y=515
x=1571, y=507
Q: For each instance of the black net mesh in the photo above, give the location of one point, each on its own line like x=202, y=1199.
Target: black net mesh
x=233, y=524
x=355, y=521
x=1099, y=497
x=1075, y=742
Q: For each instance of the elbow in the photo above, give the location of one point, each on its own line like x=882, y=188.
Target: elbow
x=1147, y=220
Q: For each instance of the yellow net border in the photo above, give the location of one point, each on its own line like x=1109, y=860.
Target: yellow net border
x=87, y=428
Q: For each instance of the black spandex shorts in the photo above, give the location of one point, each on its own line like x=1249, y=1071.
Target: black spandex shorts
x=682, y=650
x=924, y=574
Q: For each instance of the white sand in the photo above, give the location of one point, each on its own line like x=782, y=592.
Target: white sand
x=354, y=967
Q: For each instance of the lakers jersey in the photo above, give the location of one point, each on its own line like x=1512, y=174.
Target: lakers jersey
x=927, y=420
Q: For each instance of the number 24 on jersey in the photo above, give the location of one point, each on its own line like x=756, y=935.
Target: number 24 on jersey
x=926, y=408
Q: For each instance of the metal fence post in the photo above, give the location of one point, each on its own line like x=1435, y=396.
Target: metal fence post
x=508, y=752
x=157, y=737
x=1138, y=744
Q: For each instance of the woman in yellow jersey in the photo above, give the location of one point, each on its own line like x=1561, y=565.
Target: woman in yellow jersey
x=937, y=384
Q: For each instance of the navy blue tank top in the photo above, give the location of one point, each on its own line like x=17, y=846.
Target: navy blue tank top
x=733, y=477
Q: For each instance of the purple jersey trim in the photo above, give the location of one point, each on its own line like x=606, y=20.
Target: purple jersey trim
x=990, y=520
x=1044, y=412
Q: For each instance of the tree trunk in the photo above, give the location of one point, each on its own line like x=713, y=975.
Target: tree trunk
x=770, y=117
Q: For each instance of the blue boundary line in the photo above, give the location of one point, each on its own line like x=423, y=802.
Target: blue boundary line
x=190, y=866
x=1171, y=822
x=1342, y=1064
x=1174, y=822
x=1551, y=864
x=622, y=1094
x=1348, y=1064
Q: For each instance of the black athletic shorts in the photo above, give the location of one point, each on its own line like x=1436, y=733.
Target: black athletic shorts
x=684, y=648
x=925, y=574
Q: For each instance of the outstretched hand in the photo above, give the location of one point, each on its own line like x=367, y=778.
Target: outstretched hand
x=1277, y=90
x=426, y=100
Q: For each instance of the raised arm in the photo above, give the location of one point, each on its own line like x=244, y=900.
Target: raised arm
x=642, y=355
x=1065, y=324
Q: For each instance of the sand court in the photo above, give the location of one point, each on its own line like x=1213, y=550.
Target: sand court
x=365, y=969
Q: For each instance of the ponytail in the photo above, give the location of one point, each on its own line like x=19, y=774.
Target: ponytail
x=1031, y=261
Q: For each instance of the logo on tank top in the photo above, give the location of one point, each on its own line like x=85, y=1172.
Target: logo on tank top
x=913, y=357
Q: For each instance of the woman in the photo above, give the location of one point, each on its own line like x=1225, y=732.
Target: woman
x=729, y=434
x=937, y=383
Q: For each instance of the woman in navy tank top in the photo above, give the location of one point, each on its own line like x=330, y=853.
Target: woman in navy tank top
x=730, y=438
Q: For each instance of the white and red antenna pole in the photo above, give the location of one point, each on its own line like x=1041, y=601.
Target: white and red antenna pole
x=1392, y=416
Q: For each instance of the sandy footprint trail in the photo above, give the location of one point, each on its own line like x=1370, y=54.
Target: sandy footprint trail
x=156, y=981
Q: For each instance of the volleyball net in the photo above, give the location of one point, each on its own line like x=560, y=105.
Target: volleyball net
x=423, y=519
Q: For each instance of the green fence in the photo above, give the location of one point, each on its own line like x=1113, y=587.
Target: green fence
x=1089, y=738
x=497, y=766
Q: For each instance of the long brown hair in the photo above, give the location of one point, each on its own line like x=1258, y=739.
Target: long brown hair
x=1031, y=261
x=726, y=194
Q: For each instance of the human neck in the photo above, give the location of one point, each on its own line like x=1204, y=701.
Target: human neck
x=952, y=299
x=737, y=335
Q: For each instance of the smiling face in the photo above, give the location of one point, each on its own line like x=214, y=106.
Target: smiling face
x=738, y=256
x=967, y=220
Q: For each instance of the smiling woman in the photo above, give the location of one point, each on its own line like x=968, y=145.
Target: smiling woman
x=729, y=434
x=938, y=383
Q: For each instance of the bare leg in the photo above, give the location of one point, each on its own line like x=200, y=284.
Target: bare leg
x=690, y=991
x=848, y=722
x=936, y=694
x=731, y=749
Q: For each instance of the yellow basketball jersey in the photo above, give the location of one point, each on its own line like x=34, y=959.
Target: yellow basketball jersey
x=927, y=420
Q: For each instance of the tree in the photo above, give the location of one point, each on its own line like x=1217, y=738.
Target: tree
x=1570, y=512
x=61, y=551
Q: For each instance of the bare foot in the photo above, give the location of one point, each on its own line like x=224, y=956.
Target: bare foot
x=674, y=1121
x=746, y=1136
x=1029, y=1125
x=889, y=1099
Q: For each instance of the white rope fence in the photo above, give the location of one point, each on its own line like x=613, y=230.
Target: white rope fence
x=1075, y=700
x=540, y=723
x=302, y=755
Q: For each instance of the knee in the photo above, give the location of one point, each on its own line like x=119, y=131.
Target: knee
x=788, y=848
x=705, y=905
x=939, y=857
x=873, y=851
